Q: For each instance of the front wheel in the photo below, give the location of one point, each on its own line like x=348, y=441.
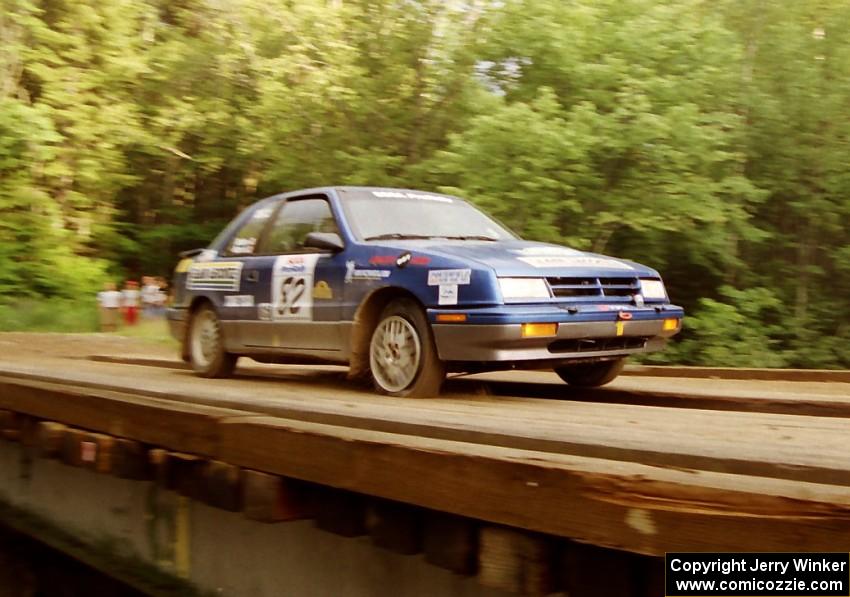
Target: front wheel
x=591, y=375
x=402, y=354
x=206, y=345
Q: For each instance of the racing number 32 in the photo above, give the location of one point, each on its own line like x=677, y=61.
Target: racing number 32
x=292, y=290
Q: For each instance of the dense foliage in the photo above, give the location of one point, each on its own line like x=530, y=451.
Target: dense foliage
x=708, y=138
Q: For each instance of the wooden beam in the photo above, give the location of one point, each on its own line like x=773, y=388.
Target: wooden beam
x=72, y=453
x=613, y=504
x=270, y=498
x=170, y=424
x=131, y=460
x=515, y=561
x=222, y=486
x=451, y=542
x=179, y=472
x=10, y=425
x=395, y=526
x=50, y=438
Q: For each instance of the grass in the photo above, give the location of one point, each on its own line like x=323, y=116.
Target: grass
x=150, y=330
x=49, y=315
x=67, y=316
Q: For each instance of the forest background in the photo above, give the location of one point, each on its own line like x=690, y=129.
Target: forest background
x=707, y=138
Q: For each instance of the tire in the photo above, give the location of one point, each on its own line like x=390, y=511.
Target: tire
x=410, y=367
x=591, y=375
x=206, y=345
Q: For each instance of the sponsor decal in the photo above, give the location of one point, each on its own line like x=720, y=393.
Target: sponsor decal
x=264, y=311
x=447, y=294
x=400, y=260
x=382, y=259
x=291, y=263
x=243, y=246
x=578, y=261
x=322, y=291
x=439, y=277
x=409, y=195
x=239, y=300
x=292, y=284
x=353, y=274
x=403, y=259
x=183, y=265
x=220, y=275
x=545, y=251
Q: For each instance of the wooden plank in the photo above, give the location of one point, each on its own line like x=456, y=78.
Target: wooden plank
x=451, y=542
x=620, y=505
x=131, y=460
x=641, y=508
x=50, y=437
x=222, y=486
x=516, y=561
x=72, y=453
x=270, y=498
x=7, y=422
x=803, y=449
x=104, y=452
x=174, y=425
x=28, y=427
x=179, y=472
x=813, y=375
x=9, y=427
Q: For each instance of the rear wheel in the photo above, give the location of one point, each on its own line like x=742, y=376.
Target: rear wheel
x=206, y=345
x=591, y=375
x=402, y=355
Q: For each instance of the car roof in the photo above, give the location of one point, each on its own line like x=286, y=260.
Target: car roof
x=342, y=189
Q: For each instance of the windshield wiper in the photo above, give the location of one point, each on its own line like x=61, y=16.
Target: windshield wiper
x=398, y=236
x=471, y=237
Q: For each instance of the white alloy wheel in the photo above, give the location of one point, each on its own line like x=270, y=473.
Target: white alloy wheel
x=395, y=353
x=206, y=338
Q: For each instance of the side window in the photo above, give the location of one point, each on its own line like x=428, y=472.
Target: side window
x=244, y=242
x=294, y=221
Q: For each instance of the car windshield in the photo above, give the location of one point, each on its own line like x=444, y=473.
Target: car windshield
x=393, y=214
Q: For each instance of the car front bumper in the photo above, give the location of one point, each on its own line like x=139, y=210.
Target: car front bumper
x=581, y=335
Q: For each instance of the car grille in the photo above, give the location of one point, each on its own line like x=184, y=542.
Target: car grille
x=597, y=344
x=590, y=288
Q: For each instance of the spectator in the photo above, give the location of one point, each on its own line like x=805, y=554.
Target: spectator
x=151, y=299
x=131, y=297
x=163, y=293
x=109, y=302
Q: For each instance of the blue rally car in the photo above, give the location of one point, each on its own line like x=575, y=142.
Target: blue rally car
x=404, y=286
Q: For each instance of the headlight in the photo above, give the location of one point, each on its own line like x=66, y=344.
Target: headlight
x=524, y=288
x=653, y=289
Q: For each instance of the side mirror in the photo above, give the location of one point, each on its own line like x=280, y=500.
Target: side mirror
x=326, y=241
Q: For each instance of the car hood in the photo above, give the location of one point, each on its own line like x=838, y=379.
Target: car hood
x=527, y=258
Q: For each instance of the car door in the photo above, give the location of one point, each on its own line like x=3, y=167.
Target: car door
x=237, y=304
x=303, y=311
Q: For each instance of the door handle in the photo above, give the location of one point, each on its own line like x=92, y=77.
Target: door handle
x=252, y=276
